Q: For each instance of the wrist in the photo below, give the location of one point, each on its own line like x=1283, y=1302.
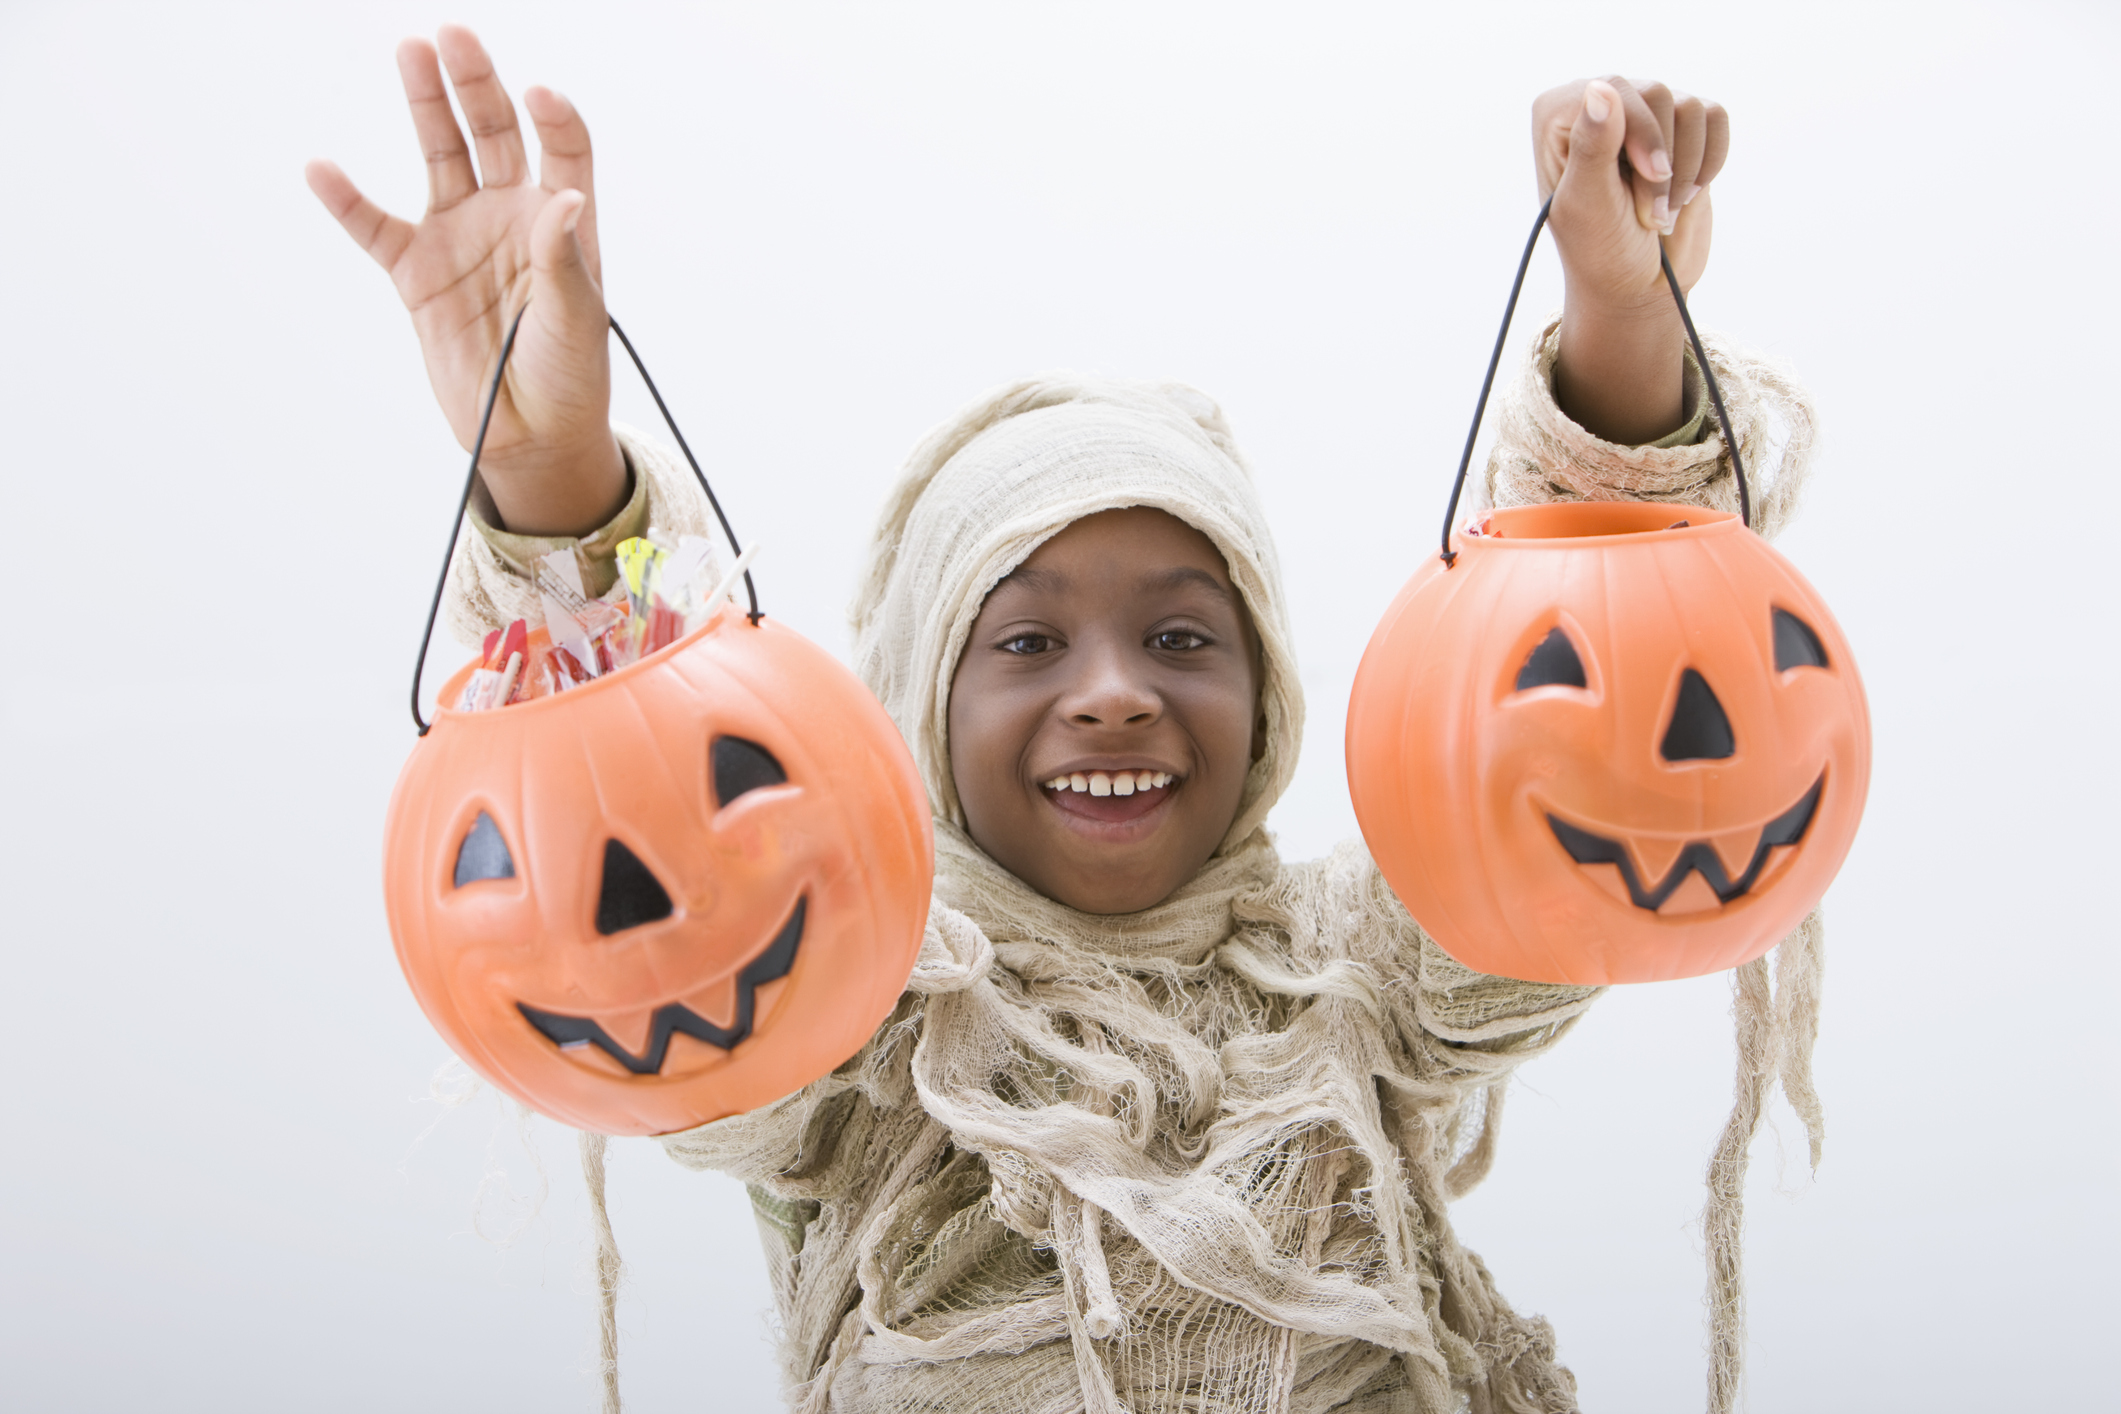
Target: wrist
x=1636, y=307
x=557, y=491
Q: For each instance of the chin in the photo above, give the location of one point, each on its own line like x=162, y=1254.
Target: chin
x=1103, y=881
x=1097, y=867
x=1105, y=900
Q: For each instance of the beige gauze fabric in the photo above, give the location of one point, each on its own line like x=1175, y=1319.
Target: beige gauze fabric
x=1197, y=1158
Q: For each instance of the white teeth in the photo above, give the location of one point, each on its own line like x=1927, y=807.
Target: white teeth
x=1111, y=782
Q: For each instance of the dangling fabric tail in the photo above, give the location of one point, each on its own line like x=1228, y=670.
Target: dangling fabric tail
x=593, y=1146
x=1776, y=1028
x=1800, y=966
x=1468, y=1173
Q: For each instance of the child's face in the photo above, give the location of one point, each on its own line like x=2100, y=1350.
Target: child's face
x=1118, y=647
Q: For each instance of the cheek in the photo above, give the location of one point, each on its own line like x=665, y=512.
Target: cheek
x=1221, y=713
x=989, y=728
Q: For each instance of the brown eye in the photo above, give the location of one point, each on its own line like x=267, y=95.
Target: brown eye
x=1028, y=643
x=1178, y=640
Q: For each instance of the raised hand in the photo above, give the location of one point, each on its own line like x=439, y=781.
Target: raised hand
x=1625, y=163
x=489, y=241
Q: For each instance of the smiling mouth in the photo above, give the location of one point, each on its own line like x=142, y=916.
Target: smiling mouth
x=1698, y=857
x=1110, y=797
x=570, y=1032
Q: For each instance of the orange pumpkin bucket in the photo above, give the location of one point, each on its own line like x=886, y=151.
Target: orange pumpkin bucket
x=674, y=893
x=1599, y=742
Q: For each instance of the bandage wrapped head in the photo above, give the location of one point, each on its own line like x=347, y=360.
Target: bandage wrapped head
x=986, y=489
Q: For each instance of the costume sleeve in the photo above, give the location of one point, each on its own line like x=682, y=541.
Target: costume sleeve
x=1429, y=993
x=1540, y=455
x=798, y=1147
x=492, y=575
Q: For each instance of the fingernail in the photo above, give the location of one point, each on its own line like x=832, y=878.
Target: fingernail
x=1595, y=106
x=1661, y=213
x=1660, y=169
x=1684, y=194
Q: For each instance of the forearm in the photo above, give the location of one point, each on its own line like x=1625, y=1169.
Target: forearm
x=1620, y=374
x=1541, y=453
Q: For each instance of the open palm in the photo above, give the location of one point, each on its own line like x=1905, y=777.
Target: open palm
x=490, y=241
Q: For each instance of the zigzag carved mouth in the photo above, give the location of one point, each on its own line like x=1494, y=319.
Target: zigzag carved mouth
x=769, y=966
x=1699, y=856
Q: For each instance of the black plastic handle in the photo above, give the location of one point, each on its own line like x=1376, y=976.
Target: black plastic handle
x=1487, y=384
x=493, y=393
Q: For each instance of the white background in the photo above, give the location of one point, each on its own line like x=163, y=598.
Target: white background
x=227, y=488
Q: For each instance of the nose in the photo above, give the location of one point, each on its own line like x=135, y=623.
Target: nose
x=1699, y=729
x=1112, y=691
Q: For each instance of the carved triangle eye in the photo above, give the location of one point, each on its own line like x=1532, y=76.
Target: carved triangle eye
x=741, y=766
x=1552, y=663
x=483, y=855
x=1796, y=646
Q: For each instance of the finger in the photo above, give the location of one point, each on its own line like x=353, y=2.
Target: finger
x=1688, y=245
x=1715, y=143
x=1690, y=125
x=449, y=175
x=562, y=290
x=1648, y=151
x=564, y=160
x=375, y=230
x=487, y=108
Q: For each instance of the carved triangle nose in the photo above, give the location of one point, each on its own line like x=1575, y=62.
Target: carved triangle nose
x=1699, y=730
x=630, y=895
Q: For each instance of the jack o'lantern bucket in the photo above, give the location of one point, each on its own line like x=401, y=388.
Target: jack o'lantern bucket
x=1598, y=742
x=673, y=893
x=1605, y=748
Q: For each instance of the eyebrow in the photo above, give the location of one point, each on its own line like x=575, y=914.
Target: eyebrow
x=1032, y=577
x=1181, y=575
x=1046, y=581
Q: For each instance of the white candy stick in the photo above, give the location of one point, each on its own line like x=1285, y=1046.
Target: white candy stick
x=736, y=572
x=508, y=679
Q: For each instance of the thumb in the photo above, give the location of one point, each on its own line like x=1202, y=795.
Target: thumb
x=1595, y=140
x=570, y=301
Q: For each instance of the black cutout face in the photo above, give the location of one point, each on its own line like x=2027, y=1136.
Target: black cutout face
x=1699, y=730
x=1698, y=857
x=740, y=766
x=769, y=966
x=1796, y=646
x=1553, y=662
x=630, y=895
x=483, y=855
